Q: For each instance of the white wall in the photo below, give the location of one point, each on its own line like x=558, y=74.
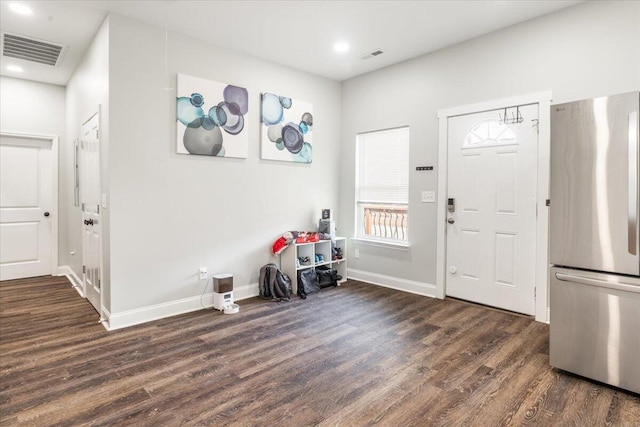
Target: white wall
x=589, y=50
x=38, y=108
x=171, y=213
x=31, y=107
x=87, y=89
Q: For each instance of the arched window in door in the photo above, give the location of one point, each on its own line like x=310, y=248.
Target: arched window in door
x=489, y=133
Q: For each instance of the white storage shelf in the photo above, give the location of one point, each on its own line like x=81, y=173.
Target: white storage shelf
x=290, y=265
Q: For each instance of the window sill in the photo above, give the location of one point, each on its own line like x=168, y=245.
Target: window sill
x=389, y=245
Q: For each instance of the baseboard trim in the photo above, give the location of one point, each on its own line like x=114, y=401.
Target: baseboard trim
x=411, y=286
x=173, y=308
x=65, y=270
x=105, y=319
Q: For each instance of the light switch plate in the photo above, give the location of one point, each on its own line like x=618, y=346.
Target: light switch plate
x=428, y=197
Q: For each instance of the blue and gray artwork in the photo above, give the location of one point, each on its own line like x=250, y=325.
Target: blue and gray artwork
x=211, y=118
x=286, y=129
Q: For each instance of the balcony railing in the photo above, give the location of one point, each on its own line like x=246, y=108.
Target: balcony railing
x=385, y=220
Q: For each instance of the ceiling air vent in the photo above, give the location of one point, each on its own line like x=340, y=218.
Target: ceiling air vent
x=376, y=52
x=28, y=49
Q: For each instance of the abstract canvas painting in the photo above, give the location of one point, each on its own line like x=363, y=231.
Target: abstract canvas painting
x=211, y=118
x=286, y=129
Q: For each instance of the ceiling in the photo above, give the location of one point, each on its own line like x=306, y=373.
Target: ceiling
x=297, y=33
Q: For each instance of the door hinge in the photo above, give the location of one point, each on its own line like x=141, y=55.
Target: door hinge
x=98, y=208
x=535, y=292
x=536, y=209
x=84, y=268
x=97, y=134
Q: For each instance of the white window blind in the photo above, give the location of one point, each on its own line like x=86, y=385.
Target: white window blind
x=383, y=166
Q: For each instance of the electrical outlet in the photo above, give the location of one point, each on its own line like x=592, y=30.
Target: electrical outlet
x=202, y=273
x=356, y=253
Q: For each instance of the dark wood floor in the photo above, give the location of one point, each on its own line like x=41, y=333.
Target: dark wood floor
x=351, y=356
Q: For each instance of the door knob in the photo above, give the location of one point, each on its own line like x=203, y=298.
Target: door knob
x=46, y=214
x=451, y=220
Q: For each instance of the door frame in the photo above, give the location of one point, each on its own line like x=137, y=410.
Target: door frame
x=101, y=310
x=543, y=99
x=54, y=140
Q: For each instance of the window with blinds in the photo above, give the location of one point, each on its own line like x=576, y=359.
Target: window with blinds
x=382, y=185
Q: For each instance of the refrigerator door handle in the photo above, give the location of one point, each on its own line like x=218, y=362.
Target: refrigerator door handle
x=633, y=183
x=598, y=283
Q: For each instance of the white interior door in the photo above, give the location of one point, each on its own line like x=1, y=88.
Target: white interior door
x=89, y=165
x=26, y=206
x=491, y=232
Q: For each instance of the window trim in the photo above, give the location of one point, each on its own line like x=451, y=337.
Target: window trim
x=396, y=244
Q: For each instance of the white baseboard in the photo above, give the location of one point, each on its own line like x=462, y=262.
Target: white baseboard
x=76, y=282
x=173, y=308
x=105, y=319
x=419, y=288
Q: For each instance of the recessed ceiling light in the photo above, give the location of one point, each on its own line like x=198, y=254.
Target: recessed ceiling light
x=15, y=68
x=341, y=47
x=21, y=9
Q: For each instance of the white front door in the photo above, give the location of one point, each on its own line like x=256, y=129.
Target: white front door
x=491, y=230
x=90, y=202
x=26, y=206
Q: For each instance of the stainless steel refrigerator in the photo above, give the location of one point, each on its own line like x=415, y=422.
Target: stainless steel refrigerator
x=594, y=253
